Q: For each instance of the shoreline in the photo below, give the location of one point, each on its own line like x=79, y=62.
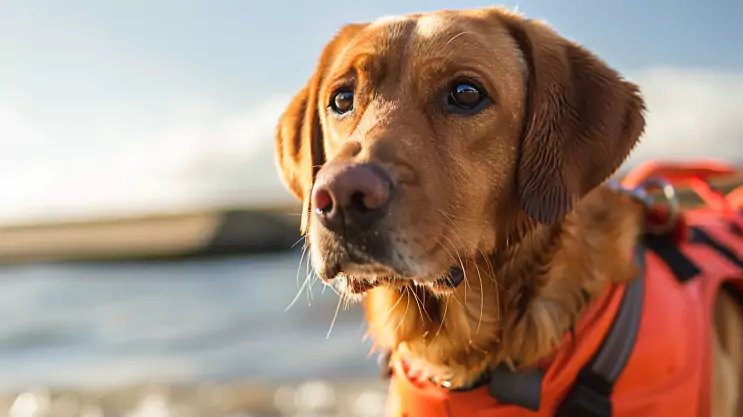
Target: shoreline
x=341, y=397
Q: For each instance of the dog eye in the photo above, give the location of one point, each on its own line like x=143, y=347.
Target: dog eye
x=342, y=101
x=465, y=96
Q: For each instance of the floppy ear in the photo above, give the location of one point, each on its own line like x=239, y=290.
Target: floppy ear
x=582, y=121
x=299, y=143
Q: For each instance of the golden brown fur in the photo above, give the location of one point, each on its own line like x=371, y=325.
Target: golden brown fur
x=481, y=325
x=512, y=193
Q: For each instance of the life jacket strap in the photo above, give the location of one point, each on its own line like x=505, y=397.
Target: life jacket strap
x=590, y=395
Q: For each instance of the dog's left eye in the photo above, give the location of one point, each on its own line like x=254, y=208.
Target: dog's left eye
x=342, y=101
x=465, y=96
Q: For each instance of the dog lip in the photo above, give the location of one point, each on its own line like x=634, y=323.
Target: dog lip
x=360, y=286
x=452, y=279
x=355, y=285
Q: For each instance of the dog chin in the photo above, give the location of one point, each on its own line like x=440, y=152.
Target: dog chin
x=355, y=287
x=355, y=280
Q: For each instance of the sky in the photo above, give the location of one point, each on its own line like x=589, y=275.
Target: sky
x=122, y=107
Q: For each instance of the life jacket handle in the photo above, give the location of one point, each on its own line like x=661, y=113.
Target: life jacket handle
x=695, y=175
x=735, y=198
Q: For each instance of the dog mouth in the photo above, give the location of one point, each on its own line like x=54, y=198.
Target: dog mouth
x=357, y=286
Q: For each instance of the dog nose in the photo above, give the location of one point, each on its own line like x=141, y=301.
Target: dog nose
x=350, y=197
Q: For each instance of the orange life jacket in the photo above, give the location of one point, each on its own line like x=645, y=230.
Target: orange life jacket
x=668, y=372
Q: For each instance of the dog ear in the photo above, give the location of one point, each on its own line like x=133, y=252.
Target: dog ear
x=299, y=142
x=582, y=121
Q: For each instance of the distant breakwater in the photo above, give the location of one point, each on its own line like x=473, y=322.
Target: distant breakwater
x=203, y=233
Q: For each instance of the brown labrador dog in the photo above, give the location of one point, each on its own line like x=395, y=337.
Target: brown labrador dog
x=432, y=149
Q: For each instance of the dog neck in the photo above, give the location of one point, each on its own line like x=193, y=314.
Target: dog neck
x=516, y=306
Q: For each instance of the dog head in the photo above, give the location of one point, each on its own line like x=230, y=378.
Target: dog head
x=424, y=142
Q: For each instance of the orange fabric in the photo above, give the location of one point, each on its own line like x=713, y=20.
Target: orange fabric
x=678, y=173
x=669, y=371
x=735, y=198
x=695, y=175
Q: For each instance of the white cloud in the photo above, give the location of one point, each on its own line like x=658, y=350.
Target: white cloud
x=691, y=113
x=199, y=152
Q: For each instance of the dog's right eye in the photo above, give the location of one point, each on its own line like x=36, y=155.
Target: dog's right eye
x=341, y=101
x=466, y=97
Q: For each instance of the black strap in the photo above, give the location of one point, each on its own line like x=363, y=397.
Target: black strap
x=520, y=388
x=679, y=264
x=669, y=252
x=590, y=395
x=700, y=236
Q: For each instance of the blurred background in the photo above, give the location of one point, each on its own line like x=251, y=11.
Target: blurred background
x=146, y=241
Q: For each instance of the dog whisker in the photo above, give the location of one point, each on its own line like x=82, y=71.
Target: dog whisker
x=302, y=285
x=454, y=258
x=296, y=297
x=461, y=264
x=482, y=298
x=335, y=316
x=498, y=285
x=456, y=36
x=421, y=307
x=481, y=295
x=450, y=216
x=443, y=318
x=301, y=259
x=456, y=236
x=310, y=273
x=303, y=238
x=391, y=309
x=405, y=314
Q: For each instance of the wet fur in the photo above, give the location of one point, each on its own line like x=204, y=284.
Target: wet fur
x=514, y=196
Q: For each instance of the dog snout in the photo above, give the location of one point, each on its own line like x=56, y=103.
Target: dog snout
x=351, y=198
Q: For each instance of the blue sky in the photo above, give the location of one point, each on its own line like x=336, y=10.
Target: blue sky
x=114, y=107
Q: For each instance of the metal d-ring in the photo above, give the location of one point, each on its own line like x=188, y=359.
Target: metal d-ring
x=642, y=195
x=637, y=194
x=671, y=200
